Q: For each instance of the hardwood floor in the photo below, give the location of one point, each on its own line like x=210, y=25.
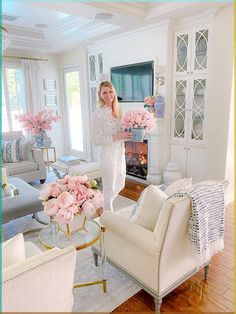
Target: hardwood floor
x=195, y=295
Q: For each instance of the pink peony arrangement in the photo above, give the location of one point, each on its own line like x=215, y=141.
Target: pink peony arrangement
x=39, y=122
x=149, y=103
x=71, y=196
x=139, y=118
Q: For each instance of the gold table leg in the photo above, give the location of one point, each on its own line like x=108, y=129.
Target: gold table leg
x=93, y=283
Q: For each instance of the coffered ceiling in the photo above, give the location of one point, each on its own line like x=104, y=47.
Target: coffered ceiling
x=57, y=26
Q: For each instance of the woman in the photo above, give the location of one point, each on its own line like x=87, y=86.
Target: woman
x=107, y=133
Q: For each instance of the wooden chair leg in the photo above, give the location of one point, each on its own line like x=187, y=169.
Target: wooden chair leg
x=157, y=303
x=206, y=270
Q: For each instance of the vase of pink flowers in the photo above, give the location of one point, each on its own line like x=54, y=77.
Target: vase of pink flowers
x=69, y=197
x=149, y=103
x=38, y=124
x=138, y=122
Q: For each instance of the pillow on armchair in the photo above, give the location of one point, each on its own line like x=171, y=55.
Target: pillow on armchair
x=11, y=151
x=26, y=147
x=13, y=251
x=149, y=207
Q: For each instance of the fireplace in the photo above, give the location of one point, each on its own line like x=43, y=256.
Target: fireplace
x=136, y=156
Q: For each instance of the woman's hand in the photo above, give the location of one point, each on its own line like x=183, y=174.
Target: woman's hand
x=124, y=135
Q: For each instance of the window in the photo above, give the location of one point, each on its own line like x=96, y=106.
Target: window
x=13, y=96
x=74, y=112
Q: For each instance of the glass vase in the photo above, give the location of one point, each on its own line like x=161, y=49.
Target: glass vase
x=138, y=134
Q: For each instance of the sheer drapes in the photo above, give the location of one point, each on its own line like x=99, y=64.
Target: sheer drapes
x=32, y=85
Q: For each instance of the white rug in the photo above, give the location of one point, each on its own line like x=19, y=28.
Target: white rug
x=92, y=298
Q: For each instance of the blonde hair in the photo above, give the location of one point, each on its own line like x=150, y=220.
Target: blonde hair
x=116, y=111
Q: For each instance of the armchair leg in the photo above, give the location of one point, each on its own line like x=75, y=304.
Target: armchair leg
x=157, y=303
x=42, y=181
x=95, y=256
x=206, y=270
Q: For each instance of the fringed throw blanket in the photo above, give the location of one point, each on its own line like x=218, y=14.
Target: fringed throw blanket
x=206, y=223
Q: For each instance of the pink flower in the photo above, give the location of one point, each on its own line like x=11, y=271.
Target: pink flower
x=51, y=207
x=65, y=199
x=88, y=208
x=150, y=100
x=139, y=118
x=98, y=200
x=45, y=193
x=65, y=216
x=36, y=123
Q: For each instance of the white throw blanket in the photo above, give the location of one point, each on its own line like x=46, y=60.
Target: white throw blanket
x=206, y=223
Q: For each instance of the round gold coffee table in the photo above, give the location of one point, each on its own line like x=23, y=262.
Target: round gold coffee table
x=50, y=236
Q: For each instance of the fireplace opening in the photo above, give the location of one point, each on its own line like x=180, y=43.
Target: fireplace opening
x=136, y=156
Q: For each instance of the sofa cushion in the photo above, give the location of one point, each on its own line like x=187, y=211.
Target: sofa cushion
x=21, y=167
x=177, y=185
x=150, y=205
x=11, y=151
x=26, y=147
x=13, y=251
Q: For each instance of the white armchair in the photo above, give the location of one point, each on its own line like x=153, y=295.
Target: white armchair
x=158, y=260
x=31, y=166
x=40, y=281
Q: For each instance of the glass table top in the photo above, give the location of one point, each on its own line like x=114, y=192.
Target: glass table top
x=50, y=236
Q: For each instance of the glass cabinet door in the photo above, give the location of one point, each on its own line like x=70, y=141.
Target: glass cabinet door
x=182, y=53
x=198, y=100
x=92, y=68
x=200, y=48
x=180, y=105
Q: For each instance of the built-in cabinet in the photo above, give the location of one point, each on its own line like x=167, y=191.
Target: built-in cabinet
x=95, y=68
x=189, y=101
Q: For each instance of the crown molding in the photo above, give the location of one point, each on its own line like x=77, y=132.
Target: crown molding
x=134, y=34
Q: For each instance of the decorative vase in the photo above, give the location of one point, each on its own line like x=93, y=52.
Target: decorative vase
x=41, y=139
x=76, y=225
x=138, y=134
x=171, y=173
x=160, y=107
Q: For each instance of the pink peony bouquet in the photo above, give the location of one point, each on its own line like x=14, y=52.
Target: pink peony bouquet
x=149, y=103
x=39, y=122
x=139, y=118
x=71, y=196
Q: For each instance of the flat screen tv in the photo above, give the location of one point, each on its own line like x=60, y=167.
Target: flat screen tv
x=133, y=82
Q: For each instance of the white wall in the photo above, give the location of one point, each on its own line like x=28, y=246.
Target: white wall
x=219, y=97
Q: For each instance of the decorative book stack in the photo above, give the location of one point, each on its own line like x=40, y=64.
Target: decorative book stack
x=69, y=159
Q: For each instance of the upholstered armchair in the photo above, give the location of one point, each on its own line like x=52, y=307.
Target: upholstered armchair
x=158, y=260
x=31, y=165
x=35, y=281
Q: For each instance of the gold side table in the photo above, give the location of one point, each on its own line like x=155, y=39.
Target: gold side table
x=51, y=237
x=45, y=150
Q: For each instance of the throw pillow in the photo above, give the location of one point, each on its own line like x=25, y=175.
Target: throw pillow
x=26, y=147
x=11, y=151
x=177, y=185
x=13, y=251
x=149, y=207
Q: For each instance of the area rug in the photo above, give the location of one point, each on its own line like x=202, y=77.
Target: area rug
x=92, y=298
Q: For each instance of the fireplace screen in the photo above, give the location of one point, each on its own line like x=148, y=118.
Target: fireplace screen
x=136, y=156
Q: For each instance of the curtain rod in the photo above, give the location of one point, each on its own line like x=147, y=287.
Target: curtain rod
x=25, y=58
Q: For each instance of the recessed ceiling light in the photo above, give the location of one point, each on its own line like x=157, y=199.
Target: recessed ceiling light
x=103, y=16
x=41, y=25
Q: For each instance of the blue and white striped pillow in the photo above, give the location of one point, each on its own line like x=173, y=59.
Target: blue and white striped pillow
x=11, y=151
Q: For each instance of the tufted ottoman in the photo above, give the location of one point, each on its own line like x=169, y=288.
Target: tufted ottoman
x=90, y=169
x=27, y=202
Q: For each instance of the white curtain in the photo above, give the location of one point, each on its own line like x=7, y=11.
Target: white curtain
x=32, y=85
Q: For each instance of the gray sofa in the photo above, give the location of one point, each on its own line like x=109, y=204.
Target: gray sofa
x=31, y=166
